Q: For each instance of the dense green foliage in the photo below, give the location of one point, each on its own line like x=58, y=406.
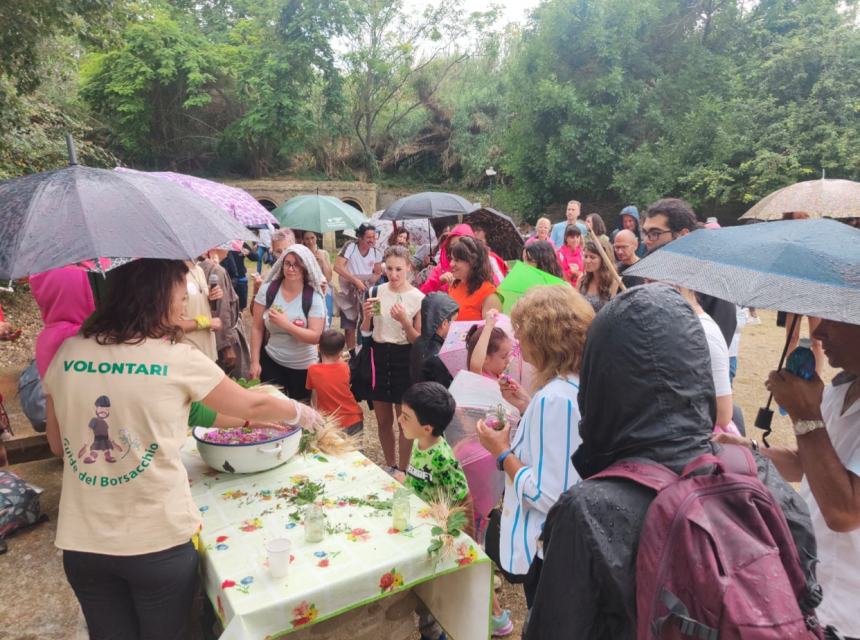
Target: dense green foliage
x=611, y=101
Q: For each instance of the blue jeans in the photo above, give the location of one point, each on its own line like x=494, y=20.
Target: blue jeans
x=733, y=368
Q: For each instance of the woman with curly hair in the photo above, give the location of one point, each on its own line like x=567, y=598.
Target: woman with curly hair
x=598, y=285
x=550, y=323
x=473, y=287
x=541, y=255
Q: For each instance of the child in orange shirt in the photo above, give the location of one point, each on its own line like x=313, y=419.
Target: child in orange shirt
x=328, y=383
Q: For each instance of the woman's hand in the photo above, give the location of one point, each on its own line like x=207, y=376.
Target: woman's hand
x=446, y=278
x=308, y=418
x=490, y=317
x=513, y=393
x=368, y=308
x=280, y=320
x=254, y=370
x=398, y=312
x=215, y=293
x=324, y=286
x=358, y=284
x=495, y=442
x=228, y=357
x=215, y=325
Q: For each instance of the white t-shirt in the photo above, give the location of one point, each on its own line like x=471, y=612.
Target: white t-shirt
x=719, y=356
x=386, y=328
x=735, y=346
x=283, y=348
x=357, y=264
x=123, y=416
x=838, y=569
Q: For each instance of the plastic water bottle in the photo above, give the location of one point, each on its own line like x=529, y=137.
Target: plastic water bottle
x=801, y=362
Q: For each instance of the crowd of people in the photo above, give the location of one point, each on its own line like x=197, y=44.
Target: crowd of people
x=623, y=369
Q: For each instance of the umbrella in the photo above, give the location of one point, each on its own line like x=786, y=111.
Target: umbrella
x=520, y=279
x=808, y=267
x=419, y=233
x=502, y=234
x=66, y=216
x=818, y=198
x=453, y=352
x=237, y=202
x=428, y=204
x=318, y=214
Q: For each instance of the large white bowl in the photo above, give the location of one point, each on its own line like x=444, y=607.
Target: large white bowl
x=247, y=458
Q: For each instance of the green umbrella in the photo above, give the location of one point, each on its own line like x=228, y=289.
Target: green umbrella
x=520, y=279
x=318, y=214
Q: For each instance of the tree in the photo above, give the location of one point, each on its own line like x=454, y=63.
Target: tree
x=153, y=88
x=386, y=64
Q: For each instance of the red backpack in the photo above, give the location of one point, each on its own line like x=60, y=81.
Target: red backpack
x=716, y=559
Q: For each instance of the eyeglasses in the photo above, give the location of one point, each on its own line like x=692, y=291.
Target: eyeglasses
x=654, y=234
x=292, y=266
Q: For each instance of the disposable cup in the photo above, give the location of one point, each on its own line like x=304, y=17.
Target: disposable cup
x=278, y=555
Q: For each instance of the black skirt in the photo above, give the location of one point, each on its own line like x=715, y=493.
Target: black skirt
x=391, y=375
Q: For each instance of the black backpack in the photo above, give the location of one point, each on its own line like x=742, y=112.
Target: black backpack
x=361, y=367
x=271, y=294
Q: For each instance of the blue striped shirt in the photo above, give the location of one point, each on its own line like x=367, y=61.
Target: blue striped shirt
x=547, y=436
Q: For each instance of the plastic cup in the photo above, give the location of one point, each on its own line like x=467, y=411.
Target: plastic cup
x=278, y=555
x=376, y=305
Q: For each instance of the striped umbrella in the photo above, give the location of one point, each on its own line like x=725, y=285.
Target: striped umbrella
x=808, y=267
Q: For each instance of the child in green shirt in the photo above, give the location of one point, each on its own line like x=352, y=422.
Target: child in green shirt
x=426, y=410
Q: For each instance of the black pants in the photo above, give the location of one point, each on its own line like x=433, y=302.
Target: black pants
x=241, y=287
x=145, y=597
x=293, y=381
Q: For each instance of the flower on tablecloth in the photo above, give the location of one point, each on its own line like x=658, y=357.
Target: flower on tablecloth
x=265, y=494
x=251, y=525
x=247, y=580
x=323, y=563
x=221, y=539
x=233, y=495
x=358, y=535
x=222, y=547
x=204, y=509
x=297, y=479
x=227, y=584
x=390, y=581
x=363, y=462
x=466, y=554
x=304, y=613
x=425, y=512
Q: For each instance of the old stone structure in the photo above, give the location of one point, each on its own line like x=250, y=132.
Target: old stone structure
x=274, y=192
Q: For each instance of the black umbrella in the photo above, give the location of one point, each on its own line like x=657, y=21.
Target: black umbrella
x=429, y=204
x=502, y=234
x=66, y=216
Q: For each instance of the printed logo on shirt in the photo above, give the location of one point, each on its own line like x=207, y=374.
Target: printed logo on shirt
x=115, y=368
x=103, y=444
x=419, y=474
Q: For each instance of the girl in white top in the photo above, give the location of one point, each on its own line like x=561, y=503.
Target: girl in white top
x=551, y=324
x=393, y=313
x=117, y=401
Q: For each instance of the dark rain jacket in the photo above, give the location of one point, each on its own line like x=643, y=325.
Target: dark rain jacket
x=424, y=362
x=665, y=414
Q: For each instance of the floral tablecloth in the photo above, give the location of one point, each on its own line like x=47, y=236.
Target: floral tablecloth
x=360, y=559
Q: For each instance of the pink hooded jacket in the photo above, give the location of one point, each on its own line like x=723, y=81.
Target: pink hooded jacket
x=65, y=299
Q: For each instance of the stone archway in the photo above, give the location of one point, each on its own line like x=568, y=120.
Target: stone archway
x=354, y=203
x=268, y=203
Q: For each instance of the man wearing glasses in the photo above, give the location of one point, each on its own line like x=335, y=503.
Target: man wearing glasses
x=672, y=218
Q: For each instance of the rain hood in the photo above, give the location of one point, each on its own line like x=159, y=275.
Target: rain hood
x=650, y=395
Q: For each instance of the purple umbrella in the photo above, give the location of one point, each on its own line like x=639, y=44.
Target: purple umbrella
x=237, y=202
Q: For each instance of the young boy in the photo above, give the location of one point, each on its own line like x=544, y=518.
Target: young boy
x=328, y=383
x=426, y=410
x=438, y=311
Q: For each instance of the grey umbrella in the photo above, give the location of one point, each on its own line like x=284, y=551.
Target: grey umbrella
x=428, y=204
x=69, y=215
x=819, y=198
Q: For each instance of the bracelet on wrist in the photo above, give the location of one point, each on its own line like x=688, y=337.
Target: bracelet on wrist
x=203, y=322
